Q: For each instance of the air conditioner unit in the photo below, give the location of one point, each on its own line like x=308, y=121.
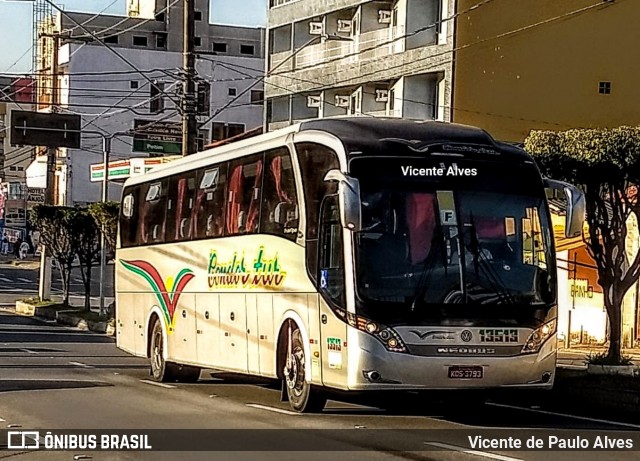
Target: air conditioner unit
x=384, y=16
x=313, y=101
x=382, y=95
x=315, y=28
x=344, y=25
x=342, y=101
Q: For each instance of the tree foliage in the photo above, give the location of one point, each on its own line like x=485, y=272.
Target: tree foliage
x=605, y=164
x=87, y=247
x=57, y=228
x=106, y=216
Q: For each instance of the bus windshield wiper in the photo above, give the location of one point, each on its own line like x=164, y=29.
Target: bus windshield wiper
x=480, y=260
x=425, y=274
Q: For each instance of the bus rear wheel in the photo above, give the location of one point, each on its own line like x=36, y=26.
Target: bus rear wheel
x=164, y=371
x=302, y=396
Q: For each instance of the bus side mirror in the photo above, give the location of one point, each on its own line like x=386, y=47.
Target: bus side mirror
x=575, y=206
x=349, y=199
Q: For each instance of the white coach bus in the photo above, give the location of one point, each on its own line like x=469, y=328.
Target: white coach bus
x=350, y=254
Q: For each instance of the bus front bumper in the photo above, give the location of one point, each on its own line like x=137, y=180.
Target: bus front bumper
x=372, y=367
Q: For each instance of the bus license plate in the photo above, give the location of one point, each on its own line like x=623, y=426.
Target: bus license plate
x=465, y=372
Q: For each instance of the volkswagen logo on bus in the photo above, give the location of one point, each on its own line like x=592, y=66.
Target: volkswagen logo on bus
x=466, y=336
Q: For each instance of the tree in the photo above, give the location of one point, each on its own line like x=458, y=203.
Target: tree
x=605, y=164
x=106, y=216
x=57, y=229
x=87, y=247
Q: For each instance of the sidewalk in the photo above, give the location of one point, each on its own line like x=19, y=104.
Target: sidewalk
x=10, y=260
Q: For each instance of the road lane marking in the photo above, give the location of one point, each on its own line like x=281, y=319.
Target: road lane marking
x=26, y=280
x=274, y=409
x=553, y=413
x=483, y=454
x=3, y=420
x=5, y=280
x=28, y=351
x=80, y=364
x=153, y=383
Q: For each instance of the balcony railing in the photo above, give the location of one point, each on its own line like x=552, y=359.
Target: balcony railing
x=365, y=46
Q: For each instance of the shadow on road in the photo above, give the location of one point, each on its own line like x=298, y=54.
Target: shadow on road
x=13, y=385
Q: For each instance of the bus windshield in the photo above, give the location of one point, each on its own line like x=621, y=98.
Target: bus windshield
x=430, y=242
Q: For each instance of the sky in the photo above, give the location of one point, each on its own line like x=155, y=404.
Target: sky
x=16, y=23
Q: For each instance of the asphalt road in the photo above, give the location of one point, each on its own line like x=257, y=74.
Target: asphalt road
x=22, y=281
x=55, y=377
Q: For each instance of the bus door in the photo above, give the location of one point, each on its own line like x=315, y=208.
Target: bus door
x=233, y=326
x=331, y=281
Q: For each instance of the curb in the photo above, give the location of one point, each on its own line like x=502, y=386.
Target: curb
x=63, y=318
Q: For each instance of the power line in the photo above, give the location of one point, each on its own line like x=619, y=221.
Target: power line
x=125, y=60
x=93, y=17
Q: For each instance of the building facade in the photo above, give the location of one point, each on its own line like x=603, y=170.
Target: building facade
x=546, y=65
x=355, y=57
x=142, y=88
x=16, y=93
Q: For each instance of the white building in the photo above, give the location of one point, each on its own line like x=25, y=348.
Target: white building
x=359, y=57
x=113, y=97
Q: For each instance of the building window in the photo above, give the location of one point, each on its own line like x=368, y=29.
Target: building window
x=232, y=91
x=112, y=40
x=197, y=41
x=160, y=17
x=198, y=16
x=222, y=130
x=219, y=47
x=604, y=87
x=20, y=168
x=139, y=41
x=161, y=41
x=246, y=49
x=257, y=97
x=12, y=168
x=134, y=85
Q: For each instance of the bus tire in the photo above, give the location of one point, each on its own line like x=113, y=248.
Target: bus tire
x=302, y=397
x=161, y=370
x=164, y=371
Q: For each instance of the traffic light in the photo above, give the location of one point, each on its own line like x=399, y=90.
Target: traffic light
x=204, y=97
x=156, y=103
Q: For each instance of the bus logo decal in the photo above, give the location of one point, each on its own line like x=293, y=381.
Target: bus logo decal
x=239, y=272
x=167, y=294
x=440, y=334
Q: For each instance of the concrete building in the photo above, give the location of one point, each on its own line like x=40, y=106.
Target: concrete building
x=359, y=57
x=111, y=96
x=545, y=64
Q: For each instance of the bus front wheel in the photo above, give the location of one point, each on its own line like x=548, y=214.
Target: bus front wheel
x=164, y=371
x=301, y=395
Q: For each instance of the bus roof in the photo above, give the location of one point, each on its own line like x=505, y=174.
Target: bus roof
x=370, y=135
x=358, y=135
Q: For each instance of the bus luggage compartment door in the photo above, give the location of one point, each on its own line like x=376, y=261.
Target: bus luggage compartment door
x=233, y=325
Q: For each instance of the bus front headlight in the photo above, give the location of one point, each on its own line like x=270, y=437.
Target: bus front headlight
x=386, y=335
x=539, y=336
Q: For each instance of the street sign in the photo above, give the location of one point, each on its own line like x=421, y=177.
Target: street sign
x=45, y=129
x=157, y=137
x=35, y=196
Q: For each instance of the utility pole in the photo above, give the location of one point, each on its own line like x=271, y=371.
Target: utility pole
x=44, y=288
x=189, y=120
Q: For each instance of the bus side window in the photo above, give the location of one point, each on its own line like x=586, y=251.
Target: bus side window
x=152, y=217
x=315, y=160
x=331, y=265
x=208, y=218
x=279, y=200
x=180, y=204
x=129, y=216
x=244, y=195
